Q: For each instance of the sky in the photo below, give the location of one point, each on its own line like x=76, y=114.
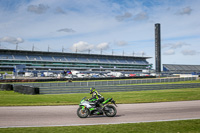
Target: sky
x=118, y=27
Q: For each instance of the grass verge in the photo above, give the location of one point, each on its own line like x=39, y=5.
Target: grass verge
x=185, y=126
x=10, y=98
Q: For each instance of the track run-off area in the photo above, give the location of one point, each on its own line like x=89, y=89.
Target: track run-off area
x=44, y=116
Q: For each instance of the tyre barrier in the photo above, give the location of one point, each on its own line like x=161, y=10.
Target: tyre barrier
x=71, y=79
x=6, y=87
x=24, y=89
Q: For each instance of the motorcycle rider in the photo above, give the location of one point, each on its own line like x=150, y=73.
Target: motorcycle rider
x=97, y=98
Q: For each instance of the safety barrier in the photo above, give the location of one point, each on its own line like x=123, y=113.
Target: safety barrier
x=26, y=89
x=108, y=82
x=103, y=86
x=7, y=87
x=116, y=88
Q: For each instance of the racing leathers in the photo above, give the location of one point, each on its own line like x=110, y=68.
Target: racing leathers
x=97, y=98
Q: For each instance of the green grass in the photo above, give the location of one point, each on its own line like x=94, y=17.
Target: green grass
x=8, y=72
x=10, y=98
x=185, y=126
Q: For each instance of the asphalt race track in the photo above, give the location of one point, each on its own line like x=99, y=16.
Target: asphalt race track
x=39, y=116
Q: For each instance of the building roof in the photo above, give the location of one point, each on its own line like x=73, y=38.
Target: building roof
x=26, y=52
x=180, y=67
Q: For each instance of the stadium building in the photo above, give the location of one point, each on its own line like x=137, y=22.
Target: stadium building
x=58, y=61
x=178, y=68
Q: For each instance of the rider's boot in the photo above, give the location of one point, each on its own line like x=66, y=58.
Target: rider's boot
x=100, y=108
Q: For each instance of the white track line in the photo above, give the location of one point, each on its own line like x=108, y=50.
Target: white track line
x=100, y=123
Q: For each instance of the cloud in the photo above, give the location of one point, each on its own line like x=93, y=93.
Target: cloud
x=38, y=9
x=179, y=45
x=102, y=46
x=189, y=52
x=121, y=43
x=11, y=40
x=84, y=46
x=175, y=45
x=67, y=30
x=123, y=17
x=96, y=23
x=81, y=46
x=60, y=11
x=166, y=45
x=185, y=11
x=169, y=52
x=141, y=16
x=138, y=17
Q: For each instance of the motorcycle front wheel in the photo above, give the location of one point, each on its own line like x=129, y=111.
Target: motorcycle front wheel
x=110, y=111
x=82, y=113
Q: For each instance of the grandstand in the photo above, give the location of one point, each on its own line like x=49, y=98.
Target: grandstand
x=54, y=61
x=172, y=68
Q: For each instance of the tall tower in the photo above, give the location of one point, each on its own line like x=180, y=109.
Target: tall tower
x=157, y=48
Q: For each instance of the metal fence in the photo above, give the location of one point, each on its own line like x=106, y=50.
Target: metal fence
x=108, y=82
x=118, y=88
x=112, y=86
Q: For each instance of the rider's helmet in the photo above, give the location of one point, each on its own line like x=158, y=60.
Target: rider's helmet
x=92, y=90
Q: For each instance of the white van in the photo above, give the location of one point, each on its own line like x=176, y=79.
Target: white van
x=28, y=74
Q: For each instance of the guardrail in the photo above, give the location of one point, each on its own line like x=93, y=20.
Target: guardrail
x=108, y=82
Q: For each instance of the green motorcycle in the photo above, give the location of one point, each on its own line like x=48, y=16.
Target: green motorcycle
x=88, y=107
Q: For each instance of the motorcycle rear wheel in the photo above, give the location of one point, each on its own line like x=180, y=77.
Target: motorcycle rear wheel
x=110, y=111
x=82, y=113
